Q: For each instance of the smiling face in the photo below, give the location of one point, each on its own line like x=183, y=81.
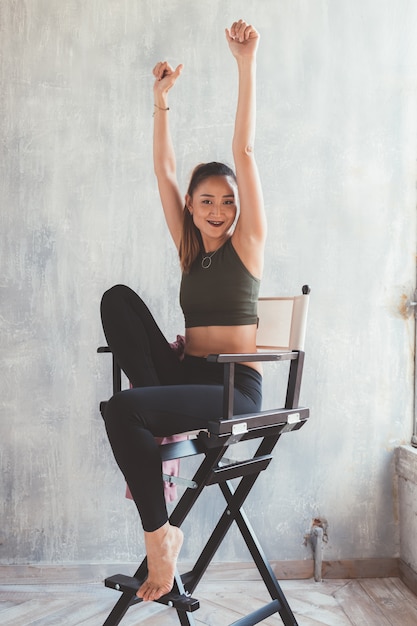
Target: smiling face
x=213, y=206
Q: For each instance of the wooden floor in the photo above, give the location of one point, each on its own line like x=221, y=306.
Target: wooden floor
x=365, y=602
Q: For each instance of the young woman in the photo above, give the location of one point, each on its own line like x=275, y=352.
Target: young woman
x=220, y=235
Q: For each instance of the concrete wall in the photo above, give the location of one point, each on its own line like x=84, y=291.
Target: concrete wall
x=336, y=146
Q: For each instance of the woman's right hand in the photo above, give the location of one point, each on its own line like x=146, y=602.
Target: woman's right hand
x=243, y=39
x=165, y=77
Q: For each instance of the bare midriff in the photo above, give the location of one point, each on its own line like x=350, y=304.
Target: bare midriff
x=204, y=340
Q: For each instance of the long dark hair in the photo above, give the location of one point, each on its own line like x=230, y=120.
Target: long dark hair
x=191, y=242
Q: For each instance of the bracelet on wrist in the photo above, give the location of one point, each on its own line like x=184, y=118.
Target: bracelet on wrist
x=159, y=109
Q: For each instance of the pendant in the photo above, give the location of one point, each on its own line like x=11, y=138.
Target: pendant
x=206, y=262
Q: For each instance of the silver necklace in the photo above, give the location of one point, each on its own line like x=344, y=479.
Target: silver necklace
x=206, y=260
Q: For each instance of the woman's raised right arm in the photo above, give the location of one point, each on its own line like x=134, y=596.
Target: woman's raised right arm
x=163, y=150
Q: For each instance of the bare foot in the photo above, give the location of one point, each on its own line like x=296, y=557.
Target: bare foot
x=162, y=549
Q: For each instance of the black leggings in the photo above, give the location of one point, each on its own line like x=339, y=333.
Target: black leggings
x=169, y=396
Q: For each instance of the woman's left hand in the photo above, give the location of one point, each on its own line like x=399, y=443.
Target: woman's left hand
x=242, y=38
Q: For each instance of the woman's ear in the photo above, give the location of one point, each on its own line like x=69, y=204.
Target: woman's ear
x=188, y=203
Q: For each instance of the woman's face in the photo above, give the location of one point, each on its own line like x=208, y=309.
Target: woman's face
x=213, y=206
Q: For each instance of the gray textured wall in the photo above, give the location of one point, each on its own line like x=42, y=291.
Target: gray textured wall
x=336, y=146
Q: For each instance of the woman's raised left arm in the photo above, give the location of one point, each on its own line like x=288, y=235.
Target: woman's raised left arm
x=250, y=233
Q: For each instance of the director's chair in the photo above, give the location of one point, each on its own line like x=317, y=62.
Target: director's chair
x=280, y=337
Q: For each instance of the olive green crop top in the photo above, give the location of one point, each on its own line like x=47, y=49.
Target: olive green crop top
x=223, y=294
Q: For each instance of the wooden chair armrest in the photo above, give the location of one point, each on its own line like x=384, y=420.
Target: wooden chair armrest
x=251, y=357
x=230, y=360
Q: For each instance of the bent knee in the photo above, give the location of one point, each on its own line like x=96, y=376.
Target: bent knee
x=114, y=294
x=116, y=410
x=123, y=419
x=123, y=408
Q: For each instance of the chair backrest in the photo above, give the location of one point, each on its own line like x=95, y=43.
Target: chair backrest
x=282, y=322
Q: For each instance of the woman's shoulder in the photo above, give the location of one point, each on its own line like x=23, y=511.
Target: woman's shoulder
x=250, y=251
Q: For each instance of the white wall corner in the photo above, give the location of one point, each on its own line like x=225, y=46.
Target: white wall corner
x=406, y=471
x=406, y=463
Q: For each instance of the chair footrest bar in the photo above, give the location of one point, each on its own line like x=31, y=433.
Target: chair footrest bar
x=259, y=615
x=239, y=468
x=130, y=584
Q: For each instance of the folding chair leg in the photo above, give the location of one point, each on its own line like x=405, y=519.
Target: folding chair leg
x=185, y=584
x=201, y=478
x=235, y=500
x=258, y=615
x=279, y=600
x=185, y=619
x=119, y=610
x=234, y=512
x=192, y=578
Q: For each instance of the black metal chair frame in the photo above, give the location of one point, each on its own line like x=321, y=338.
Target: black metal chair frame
x=267, y=426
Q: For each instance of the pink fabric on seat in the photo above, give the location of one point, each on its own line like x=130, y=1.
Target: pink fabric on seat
x=178, y=346
x=171, y=468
